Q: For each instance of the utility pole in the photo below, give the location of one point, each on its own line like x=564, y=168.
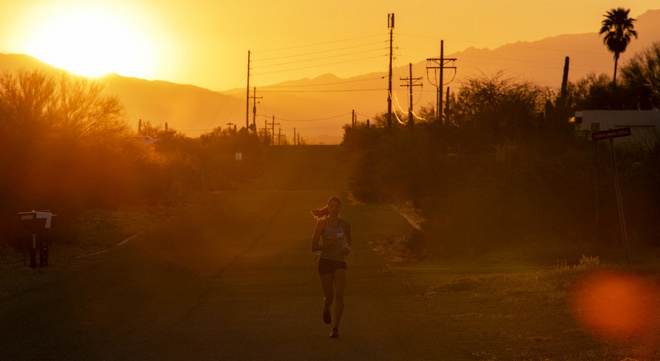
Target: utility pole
x=247, y=102
x=254, y=107
x=442, y=63
x=353, y=119
x=446, y=105
x=441, y=82
x=564, y=86
x=272, y=127
x=390, y=25
x=411, y=82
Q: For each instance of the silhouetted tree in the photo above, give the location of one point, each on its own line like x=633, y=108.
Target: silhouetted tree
x=35, y=104
x=55, y=132
x=618, y=28
x=591, y=92
x=496, y=106
x=642, y=75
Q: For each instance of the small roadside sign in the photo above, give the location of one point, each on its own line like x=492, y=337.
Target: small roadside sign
x=612, y=133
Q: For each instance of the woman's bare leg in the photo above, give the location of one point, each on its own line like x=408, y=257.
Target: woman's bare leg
x=328, y=284
x=339, y=287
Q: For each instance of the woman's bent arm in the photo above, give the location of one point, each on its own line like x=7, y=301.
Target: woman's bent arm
x=318, y=230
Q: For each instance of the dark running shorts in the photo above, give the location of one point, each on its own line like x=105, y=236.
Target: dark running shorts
x=327, y=266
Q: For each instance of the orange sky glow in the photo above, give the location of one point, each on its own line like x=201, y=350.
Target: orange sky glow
x=205, y=42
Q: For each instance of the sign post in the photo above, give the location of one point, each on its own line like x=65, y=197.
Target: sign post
x=611, y=134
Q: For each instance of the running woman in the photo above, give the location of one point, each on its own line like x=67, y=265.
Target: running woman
x=332, y=238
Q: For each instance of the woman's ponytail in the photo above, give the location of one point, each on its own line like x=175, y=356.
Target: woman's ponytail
x=323, y=212
x=320, y=213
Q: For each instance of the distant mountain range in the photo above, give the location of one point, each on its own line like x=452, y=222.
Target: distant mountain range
x=318, y=108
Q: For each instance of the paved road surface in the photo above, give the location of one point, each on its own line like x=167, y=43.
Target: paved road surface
x=232, y=278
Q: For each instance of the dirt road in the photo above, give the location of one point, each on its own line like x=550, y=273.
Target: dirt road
x=232, y=278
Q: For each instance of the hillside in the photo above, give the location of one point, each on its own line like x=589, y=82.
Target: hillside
x=318, y=108
x=328, y=107
x=12, y=62
x=185, y=108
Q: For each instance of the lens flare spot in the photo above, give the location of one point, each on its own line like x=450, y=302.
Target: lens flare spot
x=618, y=306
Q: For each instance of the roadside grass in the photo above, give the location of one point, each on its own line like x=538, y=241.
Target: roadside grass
x=71, y=239
x=528, y=315
x=518, y=303
x=516, y=316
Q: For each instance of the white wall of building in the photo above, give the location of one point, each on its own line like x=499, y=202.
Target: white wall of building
x=644, y=124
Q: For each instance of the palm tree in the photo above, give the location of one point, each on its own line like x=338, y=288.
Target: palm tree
x=619, y=29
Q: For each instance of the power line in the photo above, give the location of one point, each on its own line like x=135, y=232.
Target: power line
x=318, y=65
x=322, y=91
x=318, y=44
x=307, y=120
x=325, y=84
x=288, y=88
x=479, y=44
x=318, y=58
x=316, y=52
x=314, y=57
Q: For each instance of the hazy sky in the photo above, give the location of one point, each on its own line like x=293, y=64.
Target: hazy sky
x=206, y=42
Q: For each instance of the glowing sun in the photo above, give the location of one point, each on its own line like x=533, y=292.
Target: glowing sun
x=91, y=42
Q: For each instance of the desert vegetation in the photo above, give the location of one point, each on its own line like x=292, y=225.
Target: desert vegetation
x=66, y=146
x=503, y=168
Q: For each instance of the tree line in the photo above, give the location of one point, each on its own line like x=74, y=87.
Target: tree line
x=65, y=145
x=502, y=167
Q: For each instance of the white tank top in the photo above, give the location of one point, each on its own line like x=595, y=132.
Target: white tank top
x=336, y=251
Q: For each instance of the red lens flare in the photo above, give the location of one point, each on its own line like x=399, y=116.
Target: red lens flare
x=618, y=306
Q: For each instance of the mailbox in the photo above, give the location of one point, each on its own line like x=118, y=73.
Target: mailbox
x=35, y=226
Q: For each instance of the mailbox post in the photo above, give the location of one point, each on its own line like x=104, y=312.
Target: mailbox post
x=35, y=224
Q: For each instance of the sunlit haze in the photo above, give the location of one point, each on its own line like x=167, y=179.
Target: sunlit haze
x=86, y=38
x=89, y=41
x=205, y=42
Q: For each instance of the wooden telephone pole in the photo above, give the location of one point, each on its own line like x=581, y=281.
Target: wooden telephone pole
x=411, y=82
x=254, y=98
x=442, y=64
x=247, y=102
x=390, y=25
x=272, y=126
